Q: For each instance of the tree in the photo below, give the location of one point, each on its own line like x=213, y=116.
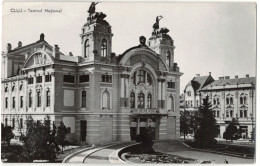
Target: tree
x=184, y=123
x=61, y=134
x=231, y=131
x=207, y=130
x=7, y=134
x=37, y=144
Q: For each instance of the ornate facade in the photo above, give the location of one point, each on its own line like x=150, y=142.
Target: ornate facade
x=99, y=96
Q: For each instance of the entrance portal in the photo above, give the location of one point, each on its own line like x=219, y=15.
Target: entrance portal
x=142, y=126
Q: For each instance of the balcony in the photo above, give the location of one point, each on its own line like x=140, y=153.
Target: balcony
x=146, y=111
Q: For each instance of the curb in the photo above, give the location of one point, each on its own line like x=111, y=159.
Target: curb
x=72, y=154
x=216, y=152
x=116, y=153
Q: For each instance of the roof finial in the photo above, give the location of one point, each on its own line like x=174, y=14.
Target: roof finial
x=42, y=37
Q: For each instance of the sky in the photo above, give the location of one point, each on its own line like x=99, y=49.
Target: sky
x=209, y=37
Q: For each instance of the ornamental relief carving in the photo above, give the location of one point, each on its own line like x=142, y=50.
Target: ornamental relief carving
x=145, y=89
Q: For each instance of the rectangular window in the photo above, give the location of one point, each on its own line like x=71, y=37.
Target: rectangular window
x=47, y=78
x=68, y=78
x=245, y=113
x=68, y=130
x=13, y=122
x=13, y=102
x=21, y=101
x=39, y=79
x=6, y=102
x=30, y=80
x=83, y=78
x=217, y=113
x=172, y=86
x=106, y=78
x=241, y=113
x=83, y=130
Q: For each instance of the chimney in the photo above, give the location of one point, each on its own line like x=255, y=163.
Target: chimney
x=210, y=73
x=197, y=75
x=221, y=78
x=19, y=44
x=236, y=76
x=247, y=75
x=56, y=52
x=9, y=47
x=42, y=37
x=70, y=54
x=227, y=77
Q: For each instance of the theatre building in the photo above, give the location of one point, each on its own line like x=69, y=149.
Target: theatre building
x=98, y=95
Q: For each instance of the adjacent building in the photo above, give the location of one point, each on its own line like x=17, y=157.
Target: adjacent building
x=231, y=99
x=98, y=95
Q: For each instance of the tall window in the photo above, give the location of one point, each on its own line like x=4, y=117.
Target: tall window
x=39, y=99
x=48, y=98
x=48, y=78
x=21, y=87
x=13, y=122
x=141, y=76
x=6, y=102
x=227, y=100
x=6, y=89
x=168, y=58
x=13, y=102
x=170, y=103
x=231, y=100
x=149, y=79
x=149, y=101
x=134, y=78
x=106, y=100
x=83, y=98
x=104, y=48
x=6, y=122
x=21, y=123
x=140, y=100
x=30, y=99
x=132, y=100
x=21, y=101
x=87, y=46
x=13, y=88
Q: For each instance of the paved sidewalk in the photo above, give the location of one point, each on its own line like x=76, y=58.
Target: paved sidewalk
x=177, y=148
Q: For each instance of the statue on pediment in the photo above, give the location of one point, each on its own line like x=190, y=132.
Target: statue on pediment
x=92, y=8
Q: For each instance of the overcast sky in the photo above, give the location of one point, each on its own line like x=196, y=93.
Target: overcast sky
x=209, y=37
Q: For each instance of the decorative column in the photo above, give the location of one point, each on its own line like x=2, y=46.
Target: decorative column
x=43, y=91
x=52, y=91
x=127, y=90
x=25, y=93
x=159, y=93
x=122, y=96
x=34, y=103
x=163, y=93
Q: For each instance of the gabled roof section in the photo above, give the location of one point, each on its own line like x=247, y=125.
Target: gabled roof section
x=226, y=82
x=199, y=82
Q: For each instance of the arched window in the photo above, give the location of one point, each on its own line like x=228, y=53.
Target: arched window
x=170, y=103
x=21, y=87
x=132, y=100
x=227, y=100
x=241, y=100
x=30, y=99
x=140, y=100
x=48, y=98
x=245, y=100
x=104, y=48
x=87, y=46
x=168, y=58
x=231, y=100
x=149, y=101
x=39, y=99
x=83, y=98
x=106, y=100
x=6, y=89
